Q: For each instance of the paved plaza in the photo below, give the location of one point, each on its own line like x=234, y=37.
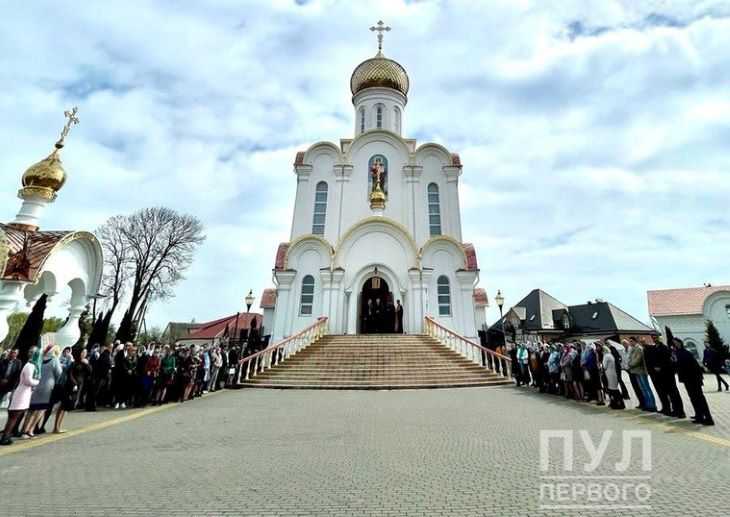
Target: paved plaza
x=318, y=453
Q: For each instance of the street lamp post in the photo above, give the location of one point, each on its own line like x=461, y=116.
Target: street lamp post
x=500, y=303
x=249, y=300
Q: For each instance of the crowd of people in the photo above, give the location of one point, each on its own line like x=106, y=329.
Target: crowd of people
x=593, y=372
x=116, y=376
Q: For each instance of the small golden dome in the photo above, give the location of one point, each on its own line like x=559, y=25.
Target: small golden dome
x=379, y=71
x=46, y=174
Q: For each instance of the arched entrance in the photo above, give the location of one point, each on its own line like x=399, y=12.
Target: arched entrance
x=377, y=312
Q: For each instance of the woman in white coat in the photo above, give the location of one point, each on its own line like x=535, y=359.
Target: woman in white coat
x=611, y=373
x=30, y=376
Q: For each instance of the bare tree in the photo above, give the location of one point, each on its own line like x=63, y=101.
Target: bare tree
x=117, y=260
x=161, y=246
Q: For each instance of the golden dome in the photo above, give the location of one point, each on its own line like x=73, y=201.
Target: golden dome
x=45, y=178
x=47, y=174
x=379, y=71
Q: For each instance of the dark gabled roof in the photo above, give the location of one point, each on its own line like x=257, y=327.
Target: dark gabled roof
x=604, y=317
x=536, y=310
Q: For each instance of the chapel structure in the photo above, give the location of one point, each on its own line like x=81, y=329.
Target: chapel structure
x=376, y=223
x=35, y=261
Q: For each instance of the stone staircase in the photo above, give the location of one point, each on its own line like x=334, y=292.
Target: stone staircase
x=373, y=362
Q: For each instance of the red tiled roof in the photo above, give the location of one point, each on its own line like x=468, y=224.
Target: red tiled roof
x=299, y=160
x=455, y=160
x=471, y=256
x=281, y=256
x=667, y=302
x=480, y=297
x=216, y=328
x=26, y=264
x=268, y=299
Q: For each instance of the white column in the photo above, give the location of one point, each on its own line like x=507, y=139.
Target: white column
x=342, y=178
x=11, y=295
x=70, y=333
x=417, y=304
x=453, y=210
x=465, y=298
x=412, y=175
x=283, y=293
x=303, y=203
x=337, y=323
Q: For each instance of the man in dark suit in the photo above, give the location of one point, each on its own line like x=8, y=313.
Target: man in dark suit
x=691, y=375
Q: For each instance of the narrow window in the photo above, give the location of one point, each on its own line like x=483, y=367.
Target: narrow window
x=396, y=118
x=320, y=208
x=307, y=300
x=379, y=117
x=434, y=210
x=444, y=294
x=362, y=120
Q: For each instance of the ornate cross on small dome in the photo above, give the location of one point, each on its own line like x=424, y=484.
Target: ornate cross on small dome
x=72, y=121
x=380, y=28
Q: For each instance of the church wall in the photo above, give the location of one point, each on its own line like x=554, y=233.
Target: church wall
x=308, y=259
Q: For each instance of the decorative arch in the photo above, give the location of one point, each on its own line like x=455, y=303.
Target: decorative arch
x=394, y=227
x=444, y=242
x=721, y=297
x=89, y=260
x=308, y=242
x=377, y=135
x=432, y=148
x=323, y=147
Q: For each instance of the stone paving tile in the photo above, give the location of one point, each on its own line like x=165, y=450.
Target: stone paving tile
x=319, y=453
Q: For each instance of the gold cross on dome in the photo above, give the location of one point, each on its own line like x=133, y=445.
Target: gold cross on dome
x=380, y=28
x=72, y=121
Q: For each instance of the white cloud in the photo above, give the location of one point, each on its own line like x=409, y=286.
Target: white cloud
x=593, y=134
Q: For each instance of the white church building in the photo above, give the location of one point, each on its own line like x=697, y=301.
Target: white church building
x=376, y=217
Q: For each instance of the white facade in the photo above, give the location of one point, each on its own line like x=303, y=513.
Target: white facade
x=337, y=241
x=699, y=306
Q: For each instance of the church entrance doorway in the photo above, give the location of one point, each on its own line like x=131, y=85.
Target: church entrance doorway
x=377, y=312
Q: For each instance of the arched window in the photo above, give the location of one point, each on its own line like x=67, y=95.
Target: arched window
x=396, y=119
x=383, y=162
x=362, y=120
x=379, y=116
x=320, y=208
x=307, y=299
x=444, y=294
x=434, y=210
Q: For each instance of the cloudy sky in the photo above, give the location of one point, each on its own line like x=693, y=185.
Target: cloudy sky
x=594, y=134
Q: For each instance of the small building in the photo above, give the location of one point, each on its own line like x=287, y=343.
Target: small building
x=214, y=332
x=36, y=262
x=175, y=331
x=687, y=310
x=542, y=317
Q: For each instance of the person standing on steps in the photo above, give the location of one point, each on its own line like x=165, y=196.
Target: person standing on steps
x=398, y=317
x=378, y=316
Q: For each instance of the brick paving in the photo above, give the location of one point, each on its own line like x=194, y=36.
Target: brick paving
x=445, y=452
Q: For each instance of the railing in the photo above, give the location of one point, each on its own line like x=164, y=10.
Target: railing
x=467, y=348
x=277, y=353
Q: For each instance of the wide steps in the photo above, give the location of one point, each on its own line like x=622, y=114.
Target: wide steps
x=375, y=363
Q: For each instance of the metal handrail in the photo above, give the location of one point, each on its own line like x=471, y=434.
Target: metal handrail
x=467, y=348
x=254, y=364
